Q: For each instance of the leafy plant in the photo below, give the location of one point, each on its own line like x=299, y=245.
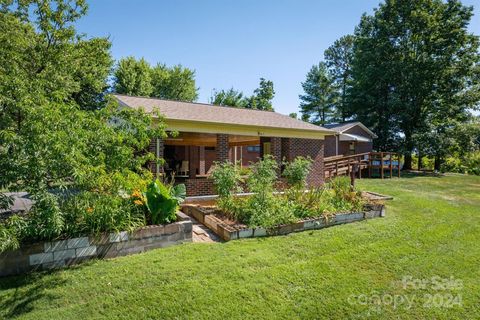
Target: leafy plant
x=296, y=172
x=162, y=201
x=226, y=178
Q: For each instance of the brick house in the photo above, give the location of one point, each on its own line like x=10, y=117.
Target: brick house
x=349, y=138
x=209, y=133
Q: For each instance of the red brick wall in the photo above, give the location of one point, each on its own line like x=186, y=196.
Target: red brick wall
x=294, y=147
x=199, y=187
x=222, y=149
x=330, y=146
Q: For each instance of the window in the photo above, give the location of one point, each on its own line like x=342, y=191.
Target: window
x=253, y=148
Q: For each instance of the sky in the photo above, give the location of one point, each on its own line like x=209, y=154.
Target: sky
x=232, y=43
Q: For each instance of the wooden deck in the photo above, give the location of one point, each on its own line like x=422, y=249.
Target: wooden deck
x=386, y=164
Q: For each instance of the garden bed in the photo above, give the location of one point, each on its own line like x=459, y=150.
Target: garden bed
x=227, y=229
x=62, y=253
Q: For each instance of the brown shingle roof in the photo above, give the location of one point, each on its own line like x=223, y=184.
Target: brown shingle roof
x=200, y=112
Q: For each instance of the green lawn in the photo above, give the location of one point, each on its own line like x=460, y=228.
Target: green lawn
x=432, y=229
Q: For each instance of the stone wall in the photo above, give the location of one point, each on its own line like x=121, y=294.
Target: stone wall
x=58, y=254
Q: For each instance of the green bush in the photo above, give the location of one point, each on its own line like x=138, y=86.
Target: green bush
x=92, y=213
x=265, y=208
x=162, y=201
x=469, y=164
x=296, y=172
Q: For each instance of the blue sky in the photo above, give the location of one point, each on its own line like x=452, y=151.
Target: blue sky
x=232, y=43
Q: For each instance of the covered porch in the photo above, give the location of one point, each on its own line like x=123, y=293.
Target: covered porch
x=208, y=133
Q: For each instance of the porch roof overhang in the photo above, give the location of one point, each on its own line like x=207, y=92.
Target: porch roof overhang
x=353, y=137
x=205, y=118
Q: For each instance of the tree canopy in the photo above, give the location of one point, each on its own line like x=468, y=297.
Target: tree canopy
x=318, y=103
x=261, y=99
x=56, y=125
x=138, y=78
x=230, y=97
x=422, y=60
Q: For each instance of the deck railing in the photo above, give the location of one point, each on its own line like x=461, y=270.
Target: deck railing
x=370, y=161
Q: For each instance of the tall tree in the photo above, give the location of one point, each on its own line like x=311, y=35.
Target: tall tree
x=43, y=56
x=318, y=103
x=414, y=65
x=338, y=59
x=230, y=97
x=138, y=78
x=176, y=83
x=262, y=96
x=133, y=77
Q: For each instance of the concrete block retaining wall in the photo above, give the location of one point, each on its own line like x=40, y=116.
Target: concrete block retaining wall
x=227, y=232
x=57, y=254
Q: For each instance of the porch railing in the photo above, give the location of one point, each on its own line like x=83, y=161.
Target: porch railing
x=383, y=162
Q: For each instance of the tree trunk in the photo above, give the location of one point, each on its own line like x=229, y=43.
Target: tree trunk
x=407, y=165
x=420, y=164
x=408, y=152
x=438, y=163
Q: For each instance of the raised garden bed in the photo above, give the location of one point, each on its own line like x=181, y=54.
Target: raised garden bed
x=227, y=229
x=62, y=253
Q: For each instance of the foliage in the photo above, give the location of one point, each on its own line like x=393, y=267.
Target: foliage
x=296, y=171
x=318, y=102
x=415, y=70
x=261, y=99
x=226, y=178
x=8, y=239
x=59, y=132
x=162, y=201
x=45, y=220
x=339, y=58
x=93, y=213
x=262, y=96
x=469, y=163
x=42, y=57
x=5, y=201
x=230, y=97
x=139, y=78
x=330, y=265
x=265, y=208
x=133, y=77
x=89, y=150
x=175, y=83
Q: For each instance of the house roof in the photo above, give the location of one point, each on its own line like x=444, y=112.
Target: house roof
x=177, y=113
x=344, y=126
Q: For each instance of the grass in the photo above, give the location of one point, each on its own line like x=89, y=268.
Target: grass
x=432, y=229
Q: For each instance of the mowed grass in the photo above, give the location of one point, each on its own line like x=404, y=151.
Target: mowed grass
x=432, y=229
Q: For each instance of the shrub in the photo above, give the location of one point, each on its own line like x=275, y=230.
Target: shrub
x=469, y=164
x=296, y=172
x=226, y=178
x=45, y=220
x=263, y=175
x=162, y=201
x=92, y=213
